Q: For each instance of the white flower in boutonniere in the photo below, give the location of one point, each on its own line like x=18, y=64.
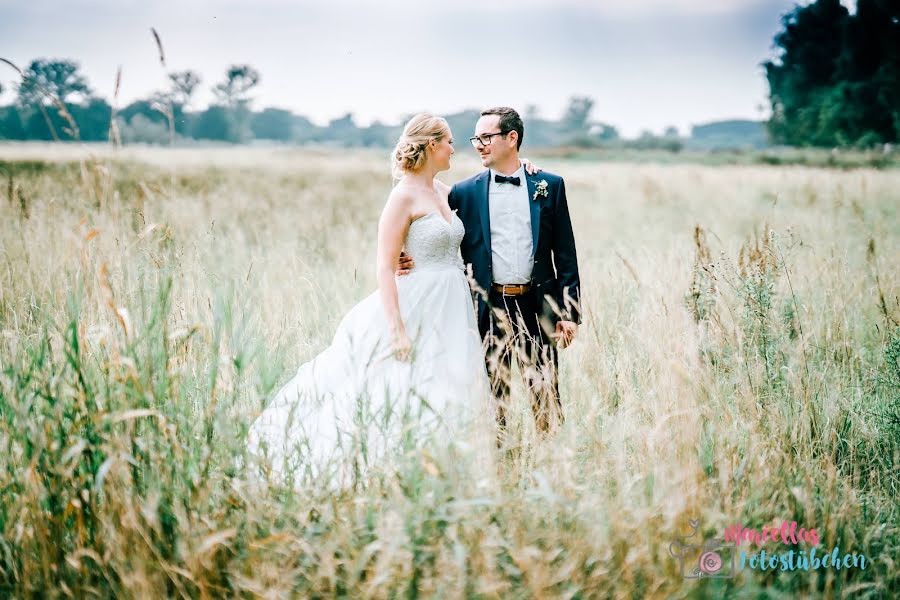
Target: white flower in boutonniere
x=540, y=189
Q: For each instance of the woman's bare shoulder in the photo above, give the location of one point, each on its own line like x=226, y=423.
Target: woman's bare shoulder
x=399, y=204
x=401, y=196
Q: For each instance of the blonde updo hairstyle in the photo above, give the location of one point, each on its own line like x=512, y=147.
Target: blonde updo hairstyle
x=409, y=153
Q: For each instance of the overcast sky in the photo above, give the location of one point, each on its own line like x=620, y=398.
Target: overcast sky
x=647, y=63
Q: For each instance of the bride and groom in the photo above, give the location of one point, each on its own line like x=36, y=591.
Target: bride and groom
x=417, y=356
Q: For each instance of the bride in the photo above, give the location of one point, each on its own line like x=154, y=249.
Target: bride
x=406, y=364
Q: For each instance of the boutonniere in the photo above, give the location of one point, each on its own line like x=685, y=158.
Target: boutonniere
x=540, y=189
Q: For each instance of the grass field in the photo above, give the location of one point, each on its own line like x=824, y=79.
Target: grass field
x=738, y=364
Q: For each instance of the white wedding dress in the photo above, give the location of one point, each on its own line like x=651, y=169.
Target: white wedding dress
x=354, y=404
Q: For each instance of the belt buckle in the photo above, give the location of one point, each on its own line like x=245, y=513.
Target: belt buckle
x=519, y=286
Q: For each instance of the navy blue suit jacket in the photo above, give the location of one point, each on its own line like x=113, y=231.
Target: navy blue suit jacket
x=555, y=273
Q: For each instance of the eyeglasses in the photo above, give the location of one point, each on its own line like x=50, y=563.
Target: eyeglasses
x=484, y=139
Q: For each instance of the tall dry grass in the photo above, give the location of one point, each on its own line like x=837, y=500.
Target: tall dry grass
x=737, y=364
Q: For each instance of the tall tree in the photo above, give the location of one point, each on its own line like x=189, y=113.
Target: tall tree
x=836, y=80
x=577, y=114
x=45, y=80
x=234, y=91
x=233, y=95
x=50, y=82
x=184, y=84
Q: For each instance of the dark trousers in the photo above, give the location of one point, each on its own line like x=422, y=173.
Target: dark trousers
x=515, y=333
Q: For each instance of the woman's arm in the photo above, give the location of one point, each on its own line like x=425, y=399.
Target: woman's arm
x=392, y=228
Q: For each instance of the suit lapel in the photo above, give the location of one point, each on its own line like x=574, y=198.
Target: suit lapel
x=535, y=206
x=481, y=192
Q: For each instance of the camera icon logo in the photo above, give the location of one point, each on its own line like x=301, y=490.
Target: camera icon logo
x=712, y=558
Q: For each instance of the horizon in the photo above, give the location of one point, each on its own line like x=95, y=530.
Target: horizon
x=648, y=66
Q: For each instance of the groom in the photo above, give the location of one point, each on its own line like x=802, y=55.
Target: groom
x=521, y=250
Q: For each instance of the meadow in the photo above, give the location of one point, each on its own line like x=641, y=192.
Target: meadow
x=739, y=363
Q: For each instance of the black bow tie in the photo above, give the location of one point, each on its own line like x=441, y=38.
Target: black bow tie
x=504, y=179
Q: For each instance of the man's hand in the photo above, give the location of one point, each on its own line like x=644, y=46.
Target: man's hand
x=405, y=264
x=565, y=332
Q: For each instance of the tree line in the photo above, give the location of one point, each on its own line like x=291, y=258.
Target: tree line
x=835, y=82
x=54, y=101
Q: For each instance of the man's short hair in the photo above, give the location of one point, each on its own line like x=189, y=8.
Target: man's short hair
x=509, y=121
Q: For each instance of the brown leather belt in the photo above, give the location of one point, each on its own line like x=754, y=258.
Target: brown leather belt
x=511, y=290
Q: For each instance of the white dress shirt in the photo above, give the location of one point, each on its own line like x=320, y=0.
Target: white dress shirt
x=512, y=254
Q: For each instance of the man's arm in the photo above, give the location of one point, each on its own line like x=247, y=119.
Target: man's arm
x=566, y=259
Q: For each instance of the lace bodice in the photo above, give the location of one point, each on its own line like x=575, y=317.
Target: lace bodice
x=433, y=243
